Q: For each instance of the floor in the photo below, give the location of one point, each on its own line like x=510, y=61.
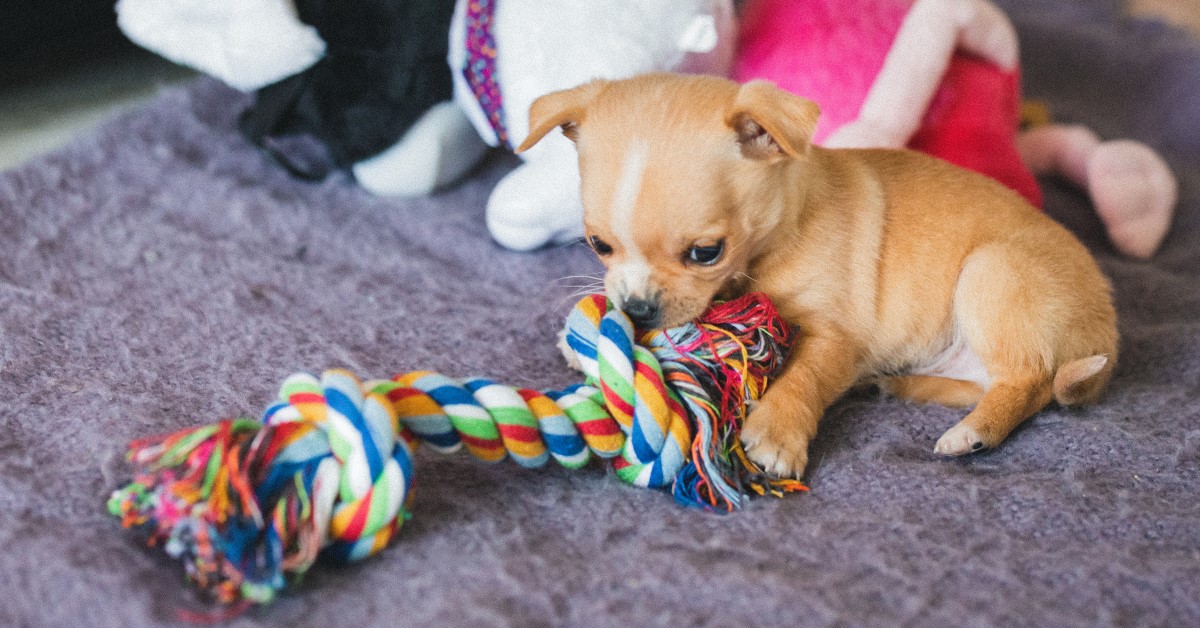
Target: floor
x=42, y=116
x=1185, y=13
x=38, y=117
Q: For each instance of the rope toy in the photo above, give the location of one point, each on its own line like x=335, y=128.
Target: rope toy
x=248, y=505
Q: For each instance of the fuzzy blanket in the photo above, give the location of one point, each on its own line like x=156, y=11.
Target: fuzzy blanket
x=160, y=273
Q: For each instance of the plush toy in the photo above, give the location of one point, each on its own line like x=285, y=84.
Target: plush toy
x=941, y=76
x=248, y=505
x=368, y=80
x=516, y=50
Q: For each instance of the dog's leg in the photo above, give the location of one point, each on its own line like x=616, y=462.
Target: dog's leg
x=1009, y=314
x=1001, y=409
x=778, y=430
x=955, y=393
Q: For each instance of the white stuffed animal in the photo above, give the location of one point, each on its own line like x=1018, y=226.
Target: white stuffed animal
x=526, y=48
x=252, y=44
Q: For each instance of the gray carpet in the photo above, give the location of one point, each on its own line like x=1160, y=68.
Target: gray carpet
x=160, y=273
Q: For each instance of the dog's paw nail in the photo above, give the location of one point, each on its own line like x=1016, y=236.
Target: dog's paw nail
x=778, y=463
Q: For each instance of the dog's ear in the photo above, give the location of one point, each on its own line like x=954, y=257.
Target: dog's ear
x=564, y=109
x=772, y=123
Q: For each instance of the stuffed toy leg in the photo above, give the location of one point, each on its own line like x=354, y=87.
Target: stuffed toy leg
x=506, y=53
x=367, y=80
x=941, y=76
x=1132, y=188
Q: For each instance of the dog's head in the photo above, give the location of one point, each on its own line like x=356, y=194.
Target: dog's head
x=680, y=180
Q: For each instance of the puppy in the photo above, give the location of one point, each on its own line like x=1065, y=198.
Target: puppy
x=936, y=282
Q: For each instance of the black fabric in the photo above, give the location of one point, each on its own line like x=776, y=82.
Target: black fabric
x=40, y=38
x=385, y=65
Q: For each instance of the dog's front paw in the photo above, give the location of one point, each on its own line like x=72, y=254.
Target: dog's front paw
x=776, y=441
x=568, y=353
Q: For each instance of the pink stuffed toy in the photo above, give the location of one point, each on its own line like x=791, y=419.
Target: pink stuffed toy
x=940, y=76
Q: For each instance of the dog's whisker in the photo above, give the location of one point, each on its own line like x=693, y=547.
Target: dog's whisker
x=582, y=292
x=568, y=299
x=579, y=285
x=589, y=277
x=596, y=285
x=586, y=288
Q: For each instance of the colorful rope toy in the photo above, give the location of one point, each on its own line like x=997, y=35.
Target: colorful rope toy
x=247, y=504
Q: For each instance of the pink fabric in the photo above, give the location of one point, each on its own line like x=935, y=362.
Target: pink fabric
x=955, y=130
x=830, y=51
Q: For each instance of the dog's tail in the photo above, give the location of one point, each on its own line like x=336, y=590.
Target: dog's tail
x=1081, y=381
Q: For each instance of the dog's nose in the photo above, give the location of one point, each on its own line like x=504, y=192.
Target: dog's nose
x=643, y=312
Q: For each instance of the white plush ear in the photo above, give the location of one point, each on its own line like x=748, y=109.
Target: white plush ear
x=248, y=44
x=710, y=41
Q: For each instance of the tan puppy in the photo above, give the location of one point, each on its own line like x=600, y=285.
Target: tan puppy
x=937, y=282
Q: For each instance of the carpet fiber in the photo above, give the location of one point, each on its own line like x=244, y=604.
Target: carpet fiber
x=160, y=273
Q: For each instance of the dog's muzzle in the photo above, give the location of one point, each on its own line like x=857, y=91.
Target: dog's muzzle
x=644, y=312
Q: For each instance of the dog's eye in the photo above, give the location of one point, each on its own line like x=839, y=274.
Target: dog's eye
x=600, y=246
x=706, y=255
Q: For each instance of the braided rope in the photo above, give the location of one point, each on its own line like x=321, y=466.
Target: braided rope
x=329, y=468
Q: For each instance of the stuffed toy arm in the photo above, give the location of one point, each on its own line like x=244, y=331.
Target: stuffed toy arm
x=248, y=44
x=929, y=36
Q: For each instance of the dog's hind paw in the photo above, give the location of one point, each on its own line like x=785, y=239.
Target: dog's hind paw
x=959, y=440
